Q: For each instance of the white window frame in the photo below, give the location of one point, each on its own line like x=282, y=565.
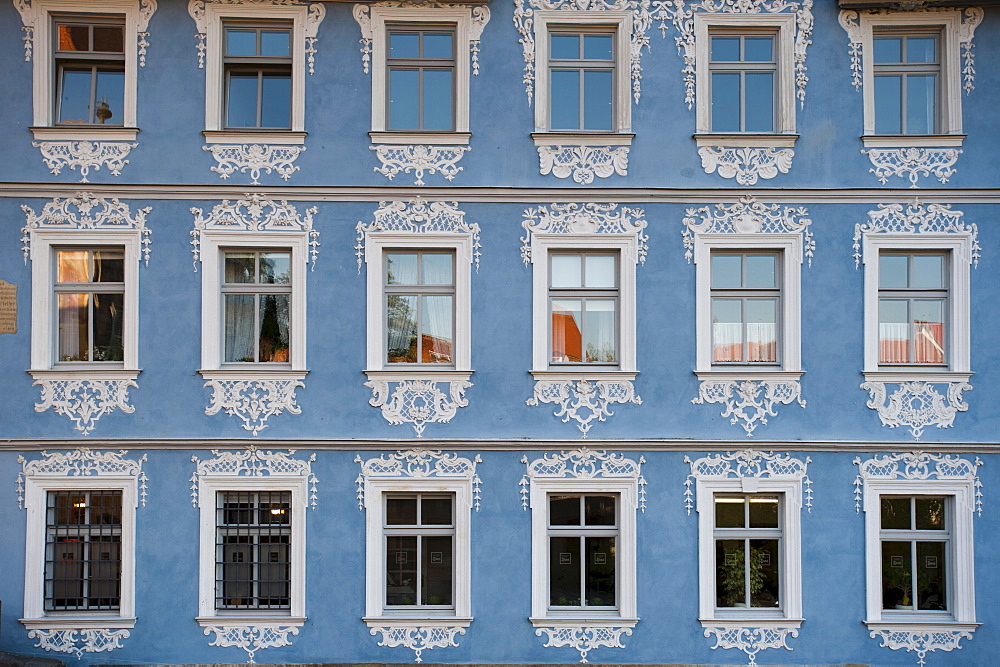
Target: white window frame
x=44, y=70
x=36, y=489
x=961, y=494
x=621, y=23
x=790, y=614
x=209, y=487
x=43, y=312
x=627, y=493
x=461, y=19
x=377, y=613
x=376, y=245
x=784, y=135
x=212, y=327
x=789, y=246
x=216, y=14
x=950, y=111
x=542, y=246
x=959, y=250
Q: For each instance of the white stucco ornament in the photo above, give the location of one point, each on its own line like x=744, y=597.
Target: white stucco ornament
x=419, y=464
x=921, y=642
x=917, y=218
x=82, y=462
x=749, y=402
x=254, y=158
x=86, y=155
x=746, y=463
x=918, y=466
x=916, y=405
x=78, y=641
x=912, y=163
x=583, y=463
x=253, y=462
x=418, y=402
x=419, y=217
x=746, y=165
x=419, y=159
x=584, y=400
x=253, y=400
x=251, y=638
x=589, y=218
x=583, y=163
x=584, y=638
x=85, y=401
x=751, y=640
x=418, y=638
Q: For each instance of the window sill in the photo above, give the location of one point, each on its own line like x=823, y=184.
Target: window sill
x=589, y=620
x=255, y=137
x=912, y=140
x=84, y=373
x=916, y=375
x=745, y=139
x=253, y=371
x=757, y=622
x=743, y=373
x=84, y=133
x=417, y=621
x=573, y=375
x=582, y=138
x=420, y=138
x=921, y=625
x=85, y=622
x=249, y=620
x=400, y=375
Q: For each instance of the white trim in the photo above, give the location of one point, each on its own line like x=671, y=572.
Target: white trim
x=266, y=137
x=742, y=139
x=621, y=22
x=959, y=249
x=790, y=246
x=43, y=312
x=376, y=613
x=784, y=122
x=962, y=575
x=84, y=133
x=208, y=488
x=790, y=614
x=406, y=138
x=214, y=16
x=913, y=140
x=628, y=501
x=581, y=139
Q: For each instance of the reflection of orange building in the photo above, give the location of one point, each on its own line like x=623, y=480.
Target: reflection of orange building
x=928, y=348
x=435, y=350
x=759, y=352
x=567, y=341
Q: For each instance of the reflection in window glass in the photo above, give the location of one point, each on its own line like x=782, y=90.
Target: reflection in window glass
x=907, y=71
x=581, y=81
x=748, y=540
x=582, y=534
x=912, y=308
x=742, y=76
x=421, y=79
x=745, y=301
x=256, y=292
x=419, y=287
x=583, y=307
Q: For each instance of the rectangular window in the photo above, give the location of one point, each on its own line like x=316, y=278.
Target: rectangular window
x=90, y=71
x=256, y=293
x=912, y=307
x=582, y=80
x=748, y=559
x=257, y=61
x=583, y=307
x=744, y=81
x=89, y=297
x=421, y=78
x=745, y=303
x=83, y=555
x=582, y=535
x=252, y=559
x=419, y=550
x=419, y=292
x=915, y=536
x=907, y=81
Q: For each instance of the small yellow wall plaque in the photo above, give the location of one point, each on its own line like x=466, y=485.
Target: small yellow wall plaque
x=8, y=308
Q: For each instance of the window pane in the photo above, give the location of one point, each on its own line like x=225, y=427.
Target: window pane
x=929, y=513
x=921, y=104
x=438, y=316
x=597, y=101
x=276, y=100
x=895, y=513
x=762, y=330
x=893, y=271
x=404, y=99
x=759, y=102
x=600, y=571
x=564, y=510
x=599, y=510
x=566, y=271
x=566, y=47
x=725, y=102
x=928, y=331
x=74, y=96
x=564, y=571
x=237, y=571
x=730, y=512
x=764, y=580
x=436, y=269
x=273, y=571
x=401, y=511
x=401, y=268
x=598, y=47
x=727, y=330
x=109, y=322
x=437, y=99
x=727, y=271
x=437, y=568
x=888, y=49
x=400, y=570
x=241, y=42
x=730, y=573
x=275, y=268
x=565, y=99
x=435, y=511
x=401, y=329
x=761, y=271
x=888, y=104
x=109, y=266
x=763, y=511
x=725, y=49
x=275, y=43
x=931, y=580
x=240, y=340
x=921, y=49
x=758, y=49
x=897, y=578
x=600, y=270
x=74, y=38
x=72, y=266
x=242, y=108
x=893, y=331
x=567, y=343
x=110, y=95
x=239, y=267
x=273, y=328
x=928, y=272
x=438, y=45
x=600, y=330
x=74, y=336
x=404, y=45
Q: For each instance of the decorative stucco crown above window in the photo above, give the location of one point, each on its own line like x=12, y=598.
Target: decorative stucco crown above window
x=745, y=131
x=583, y=259
x=748, y=258
x=919, y=346
x=255, y=254
x=933, y=48
x=420, y=118
x=107, y=136
x=604, y=39
x=268, y=133
x=419, y=257
x=85, y=253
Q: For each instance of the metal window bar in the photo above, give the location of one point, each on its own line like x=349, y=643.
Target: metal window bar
x=83, y=550
x=253, y=543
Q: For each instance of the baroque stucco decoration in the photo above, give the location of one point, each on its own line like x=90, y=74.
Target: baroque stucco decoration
x=251, y=638
x=584, y=638
x=912, y=163
x=78, y=641
x=747, y=463
x=85, y=401
x=751, y=640
x=682, y=13
x=583, y=401
x=746, y=165
x=315, y=16
x=82, y=462
x=86, y=155
x=254, y=158
x=418, y=402
x=583, y=463
x=30, y=19
x=253, y=462
x=749, y=402
x=583, y=163
x=420, y=464
x=418, y=217
x=921, y=642
x=418, y=638
x=916, y=218
x=419, y=159
x=254, y=400
x=918, y=466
